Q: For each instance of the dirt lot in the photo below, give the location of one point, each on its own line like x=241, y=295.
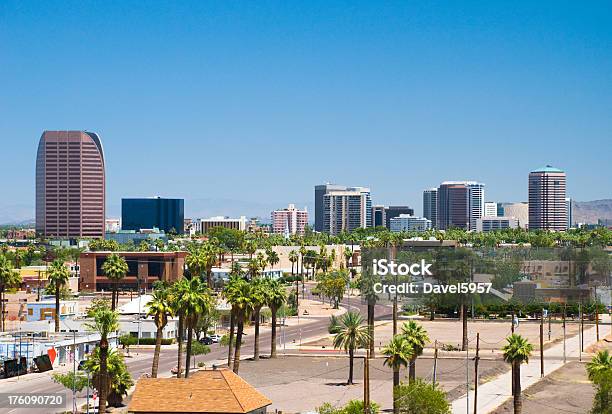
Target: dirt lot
x=302, y=383
x=566, y=390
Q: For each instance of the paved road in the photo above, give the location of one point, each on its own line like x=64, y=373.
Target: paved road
x=140, y=364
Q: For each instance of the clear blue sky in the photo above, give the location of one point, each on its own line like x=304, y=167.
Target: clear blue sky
x=247, y=105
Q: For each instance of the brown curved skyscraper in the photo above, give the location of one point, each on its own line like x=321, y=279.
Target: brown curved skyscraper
x=70, y=185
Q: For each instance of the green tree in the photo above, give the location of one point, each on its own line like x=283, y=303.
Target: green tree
x=398, y=353
x=421, y=397
x=353, y=335
x=115, y=268
x=9, y=278
x=71, y=380
x=273, y=259
x=417, y=337
x=239, y=293
x=115, y=378
x=599, y=371
x=105, y=321
x=160, y=309
x=259, y=296
x=58, y=276
x=276, y=297
x=516, y=352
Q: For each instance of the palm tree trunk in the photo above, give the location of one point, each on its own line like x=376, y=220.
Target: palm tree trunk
x=103, y=375
x=412, y=369
x=2, y=308
x=158, y=340
x=351, y=355
x=189, y=340
x=113, y=294
x=256, y=339
x=57, y=307
x=238, y=343
x=209, y=278
x=396, y=381
x=273, y=334
x=518, y=403
x=180, y=347
x=231, y=338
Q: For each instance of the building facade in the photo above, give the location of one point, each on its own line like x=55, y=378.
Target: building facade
x=320, y=191
x=70, y=185
x=144, y=269
x=520, y=211
x=347, y=210
x=460, y=204
x=490, y=209
x=570, y=213
x=430, y=206
x=486, y=224
x=165, y=214
x=407, y=222
x=378, y=216
x=289, y=220
x=396, y=211
x=203, y=225
x=547, y=205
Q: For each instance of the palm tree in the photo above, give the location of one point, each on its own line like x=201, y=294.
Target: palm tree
x=160, y=309
x=273, y=259
x=239, y=293
x=209, y=252
x=58, y=277
x=195, y=261
x=195, y=300
x=599, y=370
x=115, y=268
x=277, y=296
x=105, y=321
x=8, y=279
x=353, y=335
x=417, y=337
x=517, y=351
x=259, y=297
x=398, y=353
x=293, y=258
x=176, y=292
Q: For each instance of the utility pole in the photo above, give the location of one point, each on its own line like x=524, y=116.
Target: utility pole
x=366, y=383
x=512, y=328
x=435, y=367
x=580, y=331
x=542, y=345
x=549, y=324
x=476, y=373
x=596, y=314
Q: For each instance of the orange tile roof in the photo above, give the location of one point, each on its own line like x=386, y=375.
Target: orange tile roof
x=216, y=391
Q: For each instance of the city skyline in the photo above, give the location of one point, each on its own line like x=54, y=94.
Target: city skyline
x=306, y=90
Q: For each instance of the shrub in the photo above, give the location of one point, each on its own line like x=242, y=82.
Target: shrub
x=334, y=325
x=421, y=397
x=151, y=341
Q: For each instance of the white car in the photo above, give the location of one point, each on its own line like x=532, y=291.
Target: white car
x=215, y=338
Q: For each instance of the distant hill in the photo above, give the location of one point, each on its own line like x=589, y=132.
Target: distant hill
x=591, y=211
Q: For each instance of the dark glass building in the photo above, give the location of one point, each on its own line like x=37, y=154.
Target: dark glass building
x=395, y=211
x=166, y=214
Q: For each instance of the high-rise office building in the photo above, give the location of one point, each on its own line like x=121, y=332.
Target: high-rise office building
x=289, y=220
x=347, y=209
x=547, y=205
x=460, y=204
x=166, y=214
x=490, y=209
x=430, y=206
x=570, y=212
x=320, y=191
x=70, y=185
x=378, y=216
x=395, y=211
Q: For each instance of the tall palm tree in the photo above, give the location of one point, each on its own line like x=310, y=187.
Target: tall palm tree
x=8, y=278
x=353, y=335
x=277, y=296
x=176, y=292
x=273, y=259
x=105, y=321
x=194, y=301
x=293, y=258
x=259, y=297
x=517, y=351
x=160, y=309
x=398, y=353
x=239, y=293
x=115, y=268
x=195, y=261
x=209, y=252
x=417, y=338
x=58, y=277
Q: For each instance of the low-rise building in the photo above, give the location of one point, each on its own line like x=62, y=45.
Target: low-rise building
x=203, y=225
x=406, y=222
x=487, y=224
x=45, y=310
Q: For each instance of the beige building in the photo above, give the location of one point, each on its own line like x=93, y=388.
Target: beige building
x=519, y=211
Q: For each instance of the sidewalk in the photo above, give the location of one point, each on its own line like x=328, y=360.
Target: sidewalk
x=495, y=392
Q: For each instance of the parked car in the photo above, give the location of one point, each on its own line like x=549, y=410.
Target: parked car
x=207, y=340
x=214, y=338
